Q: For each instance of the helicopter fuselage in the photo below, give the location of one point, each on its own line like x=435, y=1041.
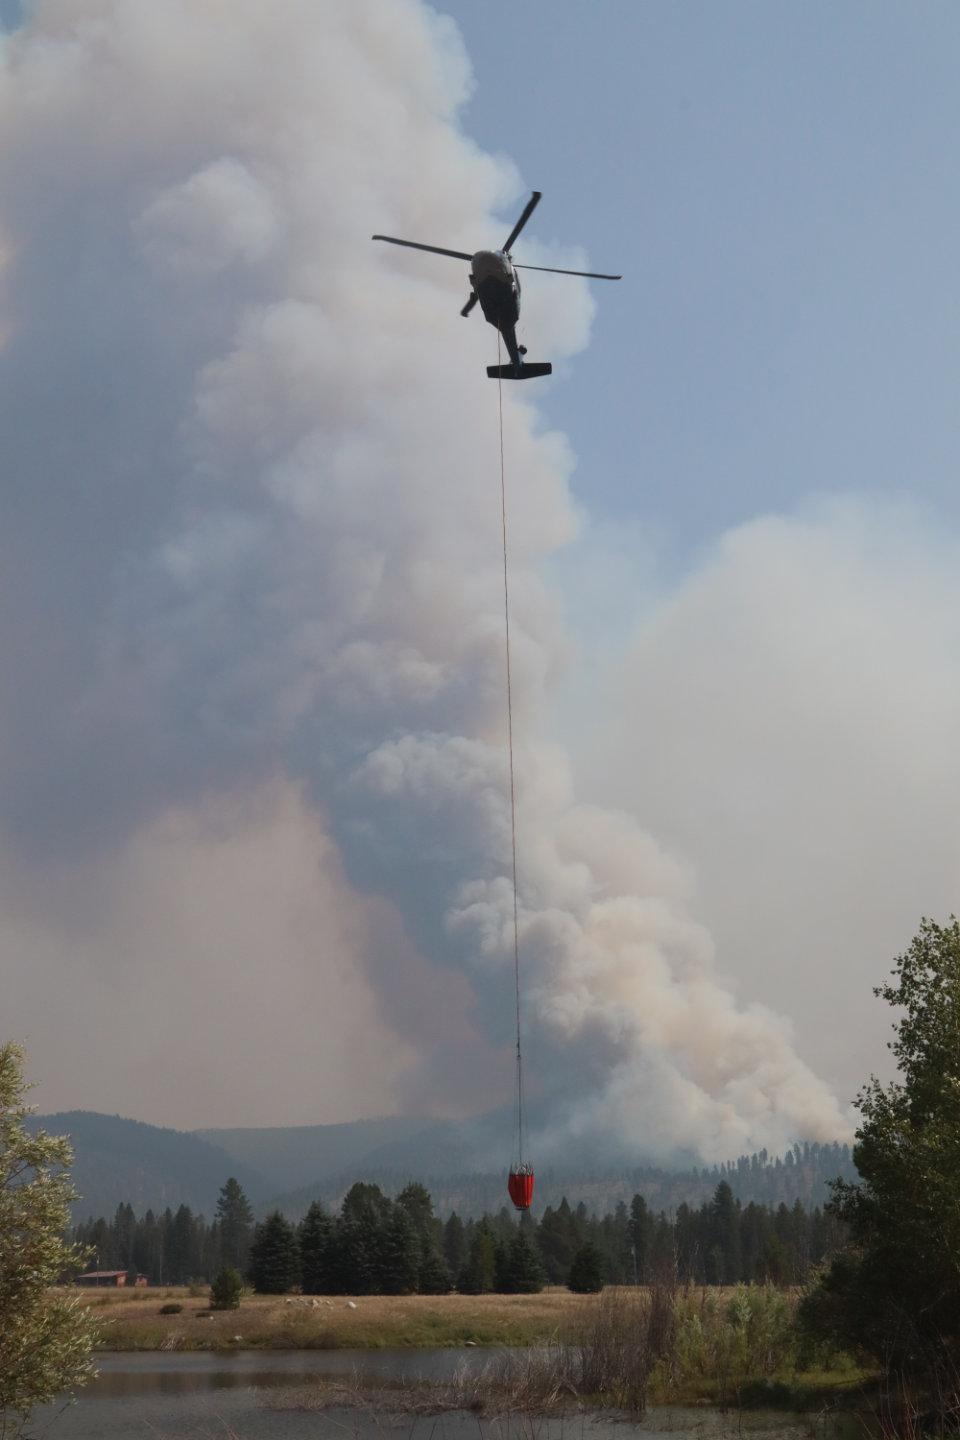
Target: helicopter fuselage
x=496, y=285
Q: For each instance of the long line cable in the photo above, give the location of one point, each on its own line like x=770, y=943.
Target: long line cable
x=513, y=792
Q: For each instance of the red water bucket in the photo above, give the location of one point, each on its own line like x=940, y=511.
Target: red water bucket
x=520, y=1186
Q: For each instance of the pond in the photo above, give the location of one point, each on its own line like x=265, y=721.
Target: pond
x=252, y=1395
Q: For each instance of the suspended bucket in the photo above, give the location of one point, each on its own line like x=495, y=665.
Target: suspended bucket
x=520, y=1186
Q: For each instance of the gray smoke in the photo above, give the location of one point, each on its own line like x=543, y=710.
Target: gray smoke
x=252, y=550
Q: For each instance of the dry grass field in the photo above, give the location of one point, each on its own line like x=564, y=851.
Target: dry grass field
x=131, y=1320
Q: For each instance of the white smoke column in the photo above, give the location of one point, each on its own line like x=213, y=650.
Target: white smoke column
x=253, y=494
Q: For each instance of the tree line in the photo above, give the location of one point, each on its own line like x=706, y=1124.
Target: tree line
x=382, y=1245
x=805, y=1172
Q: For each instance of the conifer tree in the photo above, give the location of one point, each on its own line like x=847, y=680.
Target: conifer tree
x=316, y=1260
x=725, y=1236
x=183, y=1259
x=415, y=1200
x=274, y=1257
x=434, y=1277
x=236, y=1226
x=640, y=1229
x=524, y=1273
x=479, y=1274
x=586, y=1272
x=559, y=1238
x=358, y=1251
x=399, y=1254
x=455, y=1245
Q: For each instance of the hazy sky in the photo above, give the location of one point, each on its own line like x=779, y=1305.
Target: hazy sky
x=253, y=834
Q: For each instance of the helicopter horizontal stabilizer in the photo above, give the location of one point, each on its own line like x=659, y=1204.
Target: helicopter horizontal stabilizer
x=529, y=370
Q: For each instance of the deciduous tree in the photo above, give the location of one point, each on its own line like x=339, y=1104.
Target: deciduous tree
x=895, y=1292
x=46, y=1342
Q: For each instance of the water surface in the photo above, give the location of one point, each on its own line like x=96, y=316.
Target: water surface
x=253, y=1395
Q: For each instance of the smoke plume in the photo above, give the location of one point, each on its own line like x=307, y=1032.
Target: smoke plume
x=251, y=604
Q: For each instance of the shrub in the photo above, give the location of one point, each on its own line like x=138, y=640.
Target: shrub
x=728, y=1340
x=226, y=1289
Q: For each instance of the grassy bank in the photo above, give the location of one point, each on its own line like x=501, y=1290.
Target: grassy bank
x=131, y=1320
x=722, y=1347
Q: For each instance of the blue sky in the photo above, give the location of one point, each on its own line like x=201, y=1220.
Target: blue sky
x=777, y=184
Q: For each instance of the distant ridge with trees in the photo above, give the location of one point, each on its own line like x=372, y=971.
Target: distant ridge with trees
x=121, y=1161
x=805, y=1173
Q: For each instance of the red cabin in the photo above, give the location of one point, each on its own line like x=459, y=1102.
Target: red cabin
x=520, y=1186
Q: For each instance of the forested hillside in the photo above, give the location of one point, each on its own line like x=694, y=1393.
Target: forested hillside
x=803, y=1174
x=118, y=1161
x=125, y=1161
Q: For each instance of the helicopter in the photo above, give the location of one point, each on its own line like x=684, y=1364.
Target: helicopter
x=494, y=282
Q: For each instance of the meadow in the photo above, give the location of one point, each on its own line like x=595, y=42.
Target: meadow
x=130, y=1319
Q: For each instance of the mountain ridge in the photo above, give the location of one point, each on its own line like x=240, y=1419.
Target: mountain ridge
x=121, y=1160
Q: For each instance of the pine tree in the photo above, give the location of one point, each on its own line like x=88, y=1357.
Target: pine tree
x=315, y=1235
x=124, y=1226
x=148, y=1248
x=455, y=1245
x=434, y=1276
x=359, y=1240
x=524, y=1270
x=479, y=1273
x=640, y=1229
x=399, y=1255
x=236, y=1226
x=559, y=1241
x=415, y=1200
x=725, y=1236
x=274, y=1258
x=586, y=1273
x=182, y=1260
x=501, y=1265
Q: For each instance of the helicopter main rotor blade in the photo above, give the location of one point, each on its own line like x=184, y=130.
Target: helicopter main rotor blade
x=550, y=270
x=415, y=245
x=528, y=210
